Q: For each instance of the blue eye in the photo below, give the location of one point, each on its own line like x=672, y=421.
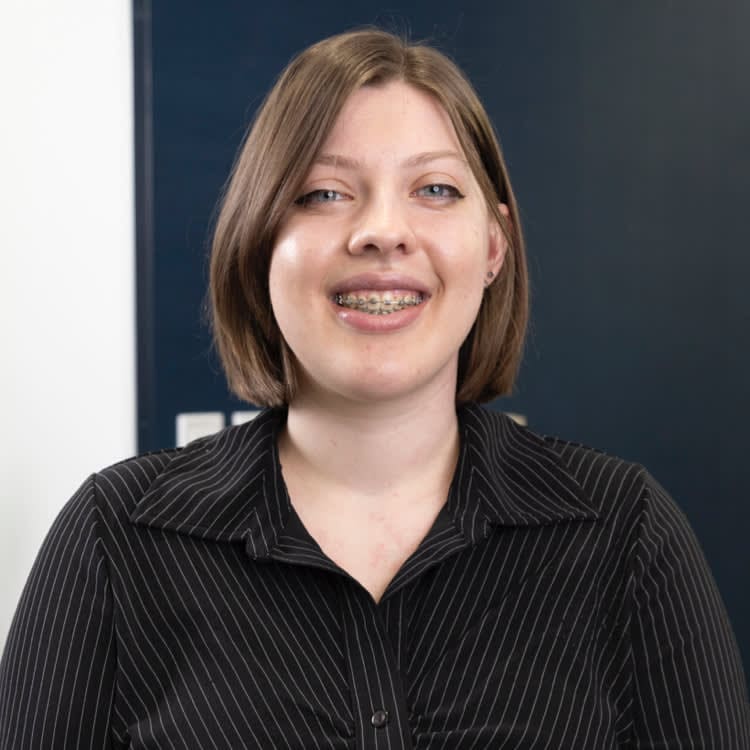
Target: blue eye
x=439, y=191
x=319, y=196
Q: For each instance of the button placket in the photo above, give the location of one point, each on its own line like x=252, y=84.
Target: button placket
x=377, y=693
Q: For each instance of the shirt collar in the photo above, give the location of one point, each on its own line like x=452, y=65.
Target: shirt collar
x=226, y=487
x=229, y=487
x=508, y=475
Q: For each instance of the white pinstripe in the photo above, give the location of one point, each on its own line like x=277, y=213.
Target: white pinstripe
x=560, y=601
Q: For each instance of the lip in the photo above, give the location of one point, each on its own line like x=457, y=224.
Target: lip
x=379, y=282
x=366, y=323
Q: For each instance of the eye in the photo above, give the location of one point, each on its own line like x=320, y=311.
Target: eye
x=438, y=190
x=319, y=196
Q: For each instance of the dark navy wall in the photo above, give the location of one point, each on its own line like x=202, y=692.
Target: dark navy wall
x=627, y=131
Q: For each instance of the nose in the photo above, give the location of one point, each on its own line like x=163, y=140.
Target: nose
x=383, y=225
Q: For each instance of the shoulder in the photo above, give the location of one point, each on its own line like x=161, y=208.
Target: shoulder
x=126, y=482
x=611, y=482
x=607, y=484
x=209, y=462
x=605, y=479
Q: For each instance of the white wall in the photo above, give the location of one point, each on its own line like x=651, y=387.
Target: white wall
x=67, y=378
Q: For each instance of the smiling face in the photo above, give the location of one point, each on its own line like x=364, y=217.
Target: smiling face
x=378, y=269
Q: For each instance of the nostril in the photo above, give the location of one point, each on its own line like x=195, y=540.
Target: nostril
x=378, y=247
x=384, y=238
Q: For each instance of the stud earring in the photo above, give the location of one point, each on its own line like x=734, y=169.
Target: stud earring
x=490, y=276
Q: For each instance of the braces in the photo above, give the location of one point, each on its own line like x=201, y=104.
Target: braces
x=377, y=306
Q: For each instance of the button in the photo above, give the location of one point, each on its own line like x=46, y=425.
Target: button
x=379, y=719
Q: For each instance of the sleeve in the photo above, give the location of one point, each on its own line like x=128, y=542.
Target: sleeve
x=689, y=688
x=57, y=674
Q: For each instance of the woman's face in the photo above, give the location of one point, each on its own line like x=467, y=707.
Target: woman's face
x=379, y=267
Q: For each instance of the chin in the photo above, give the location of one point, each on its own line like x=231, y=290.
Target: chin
x=390, y=383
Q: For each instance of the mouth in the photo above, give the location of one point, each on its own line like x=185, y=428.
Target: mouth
x=379, y=294
x=379, y=302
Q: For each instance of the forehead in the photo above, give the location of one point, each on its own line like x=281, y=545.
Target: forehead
x=393, y=119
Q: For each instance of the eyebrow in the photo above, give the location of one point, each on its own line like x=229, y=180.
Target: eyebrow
x=345, y=162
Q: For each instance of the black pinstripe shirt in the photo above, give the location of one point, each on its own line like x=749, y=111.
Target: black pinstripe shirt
x=559, y=601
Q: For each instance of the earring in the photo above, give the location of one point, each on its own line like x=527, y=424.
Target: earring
x=490, y=276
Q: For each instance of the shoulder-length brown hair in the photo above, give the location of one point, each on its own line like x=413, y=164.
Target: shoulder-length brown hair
x=279, y=150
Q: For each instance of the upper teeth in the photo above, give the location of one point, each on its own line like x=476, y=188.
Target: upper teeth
x=378, y=303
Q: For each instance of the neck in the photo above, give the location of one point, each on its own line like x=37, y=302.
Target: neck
x=386, y=450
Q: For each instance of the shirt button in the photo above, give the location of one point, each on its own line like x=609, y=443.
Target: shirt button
x=379, y=719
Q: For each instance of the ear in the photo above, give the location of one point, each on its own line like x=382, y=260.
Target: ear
x=498, y=243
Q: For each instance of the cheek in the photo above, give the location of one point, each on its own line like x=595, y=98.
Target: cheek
x=285, y=255
x=465, y=266
x=288, y=269
x=464, y=261
x=282, y=283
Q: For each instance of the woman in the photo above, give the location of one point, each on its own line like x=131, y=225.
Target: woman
x=375, y=561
